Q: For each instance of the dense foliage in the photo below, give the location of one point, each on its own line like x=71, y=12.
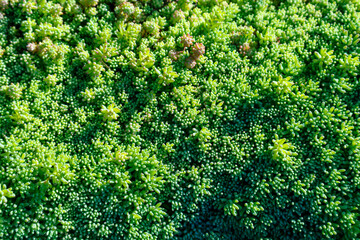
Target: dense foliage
x=188, y=119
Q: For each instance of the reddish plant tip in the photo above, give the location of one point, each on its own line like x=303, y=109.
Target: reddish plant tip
x=187, y=40
x=175, y=54
x=198, y=50
x=190, y=62
x=178, y=15
x=245, y=49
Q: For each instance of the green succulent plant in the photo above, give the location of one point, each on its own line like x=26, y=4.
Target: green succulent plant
x=188, y=119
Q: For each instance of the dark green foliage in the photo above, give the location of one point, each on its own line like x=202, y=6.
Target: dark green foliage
x=207, y=119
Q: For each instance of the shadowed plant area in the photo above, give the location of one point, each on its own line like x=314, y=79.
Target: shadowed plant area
x=187, y=119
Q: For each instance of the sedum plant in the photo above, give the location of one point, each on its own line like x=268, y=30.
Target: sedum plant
x=110, y=113
x=5, y=194
x=188, y=119
x=12, y=90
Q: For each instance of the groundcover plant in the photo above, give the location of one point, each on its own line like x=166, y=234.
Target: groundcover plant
x=188, y=119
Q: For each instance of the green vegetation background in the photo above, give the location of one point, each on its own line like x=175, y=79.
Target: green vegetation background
x=158, y=119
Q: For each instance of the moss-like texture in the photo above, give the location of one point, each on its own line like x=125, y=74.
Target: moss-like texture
x=186, y=119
